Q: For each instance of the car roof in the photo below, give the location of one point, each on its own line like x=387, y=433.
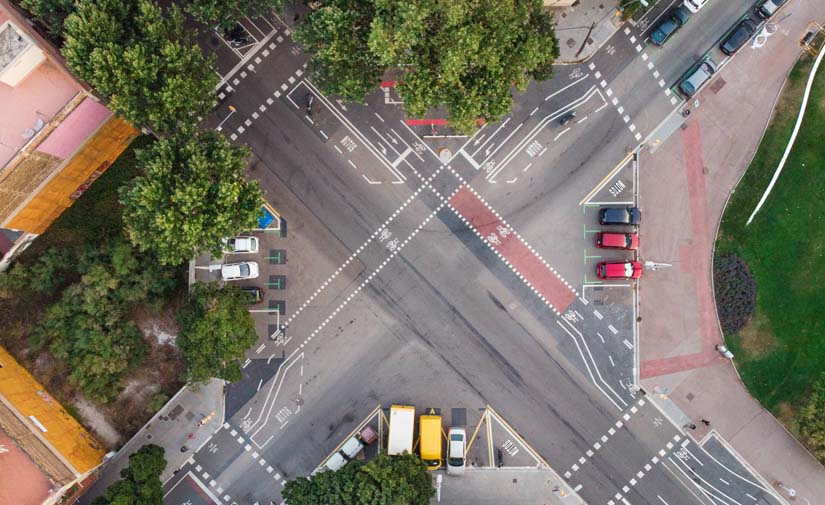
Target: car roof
x=614, y=239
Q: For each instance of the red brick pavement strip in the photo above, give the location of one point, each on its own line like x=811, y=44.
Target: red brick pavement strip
x=694, y=261
x=513, y=250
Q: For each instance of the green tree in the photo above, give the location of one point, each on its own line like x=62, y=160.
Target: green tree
x=140, y=481
x=465, y=55
x=43, y=276
x=811, y=420
x=385, y=480
x=140, y=57
x=215, y=330
x=226, y=13
x=336, y=37
x=89, y=327
x=52, y=13
x=191, y=197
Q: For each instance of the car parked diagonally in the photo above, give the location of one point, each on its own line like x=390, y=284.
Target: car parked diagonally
x=738, y=37
x=674, y=20
x=698, y=77
x=767, y=8
x=695, y=6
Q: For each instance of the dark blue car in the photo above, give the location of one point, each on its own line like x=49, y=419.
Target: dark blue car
x=668, y=26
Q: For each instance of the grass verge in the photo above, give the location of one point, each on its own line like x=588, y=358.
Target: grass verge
x=779, y=353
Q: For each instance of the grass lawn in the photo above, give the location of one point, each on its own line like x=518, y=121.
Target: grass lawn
x=781, y=351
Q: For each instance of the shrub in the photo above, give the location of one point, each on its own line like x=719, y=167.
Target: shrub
x=811, y=421
x=735, y=292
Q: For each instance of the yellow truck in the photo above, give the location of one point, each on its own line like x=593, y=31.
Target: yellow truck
x=430, y=429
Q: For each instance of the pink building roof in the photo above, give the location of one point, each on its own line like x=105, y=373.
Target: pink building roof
x=41, y=95
x=73, y=130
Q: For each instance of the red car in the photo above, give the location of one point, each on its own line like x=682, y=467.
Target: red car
x=619, y=270
x=612, y=240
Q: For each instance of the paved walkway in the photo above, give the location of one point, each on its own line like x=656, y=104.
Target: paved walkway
x=506, y=485
x=693, y=173
x=573, y=28
x=187, y=420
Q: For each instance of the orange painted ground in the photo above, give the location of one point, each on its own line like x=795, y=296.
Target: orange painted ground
x=21, y=482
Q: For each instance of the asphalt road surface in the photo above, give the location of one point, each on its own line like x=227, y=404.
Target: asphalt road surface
x=468, y=273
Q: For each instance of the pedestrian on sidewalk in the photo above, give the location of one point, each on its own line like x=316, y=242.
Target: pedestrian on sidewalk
x=705, y=422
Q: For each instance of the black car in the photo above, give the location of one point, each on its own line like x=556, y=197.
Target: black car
x=737, y=38
x=256, y=294
x=620, y=215
x=668, y=26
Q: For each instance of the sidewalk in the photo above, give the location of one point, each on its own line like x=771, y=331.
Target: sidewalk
x=520, y=486
x=573, y=25
x=170, y=428
x=693, y=173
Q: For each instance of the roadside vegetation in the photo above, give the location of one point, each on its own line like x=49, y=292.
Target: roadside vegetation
x=91, y=317
x=390, y=480
x=463, y=55
x=140, y=481
x=779, y=347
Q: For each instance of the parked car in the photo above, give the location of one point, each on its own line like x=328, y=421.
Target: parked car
x=351, y=447
x=694, y=6
x=702, y=74
x=619, y=270
x=455, y=451
x=767, y=8
x=619, y=215
x=256, y=294
x=239, y=271
x=241, y=245
x=738, y=37
x=335, y=462
x=668, y=26
x=611, y=240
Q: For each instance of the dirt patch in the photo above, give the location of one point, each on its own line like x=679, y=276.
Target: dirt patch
x=755, y=338
x=160, y=326
x=158, y=377
x=787, y=415
x=96, y=420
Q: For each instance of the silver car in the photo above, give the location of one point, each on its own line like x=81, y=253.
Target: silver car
x=691, y=84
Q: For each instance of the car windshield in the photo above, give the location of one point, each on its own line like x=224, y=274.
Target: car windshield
x=456, y=461
x=628, y=269
x=244, y=270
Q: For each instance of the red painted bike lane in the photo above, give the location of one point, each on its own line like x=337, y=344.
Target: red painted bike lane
x=543, y=279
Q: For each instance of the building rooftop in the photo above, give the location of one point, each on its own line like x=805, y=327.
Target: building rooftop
x=12, y=44
x=37, y=98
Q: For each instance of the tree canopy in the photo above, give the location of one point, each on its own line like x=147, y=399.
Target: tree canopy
x=139, y=56
x=226, y=13
x=140, y=481
x=336, y=36
x=465, y=55
x=88, y=327
x=52, y=13
x=215, y=331
x=385, y=480
x=192, y=196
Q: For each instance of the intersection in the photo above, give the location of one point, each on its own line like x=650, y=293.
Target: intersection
x=468, y=277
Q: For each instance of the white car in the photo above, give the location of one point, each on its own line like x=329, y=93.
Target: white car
x=241, y=245
x=694, y=5
x=239, y=271
x=455, y=451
